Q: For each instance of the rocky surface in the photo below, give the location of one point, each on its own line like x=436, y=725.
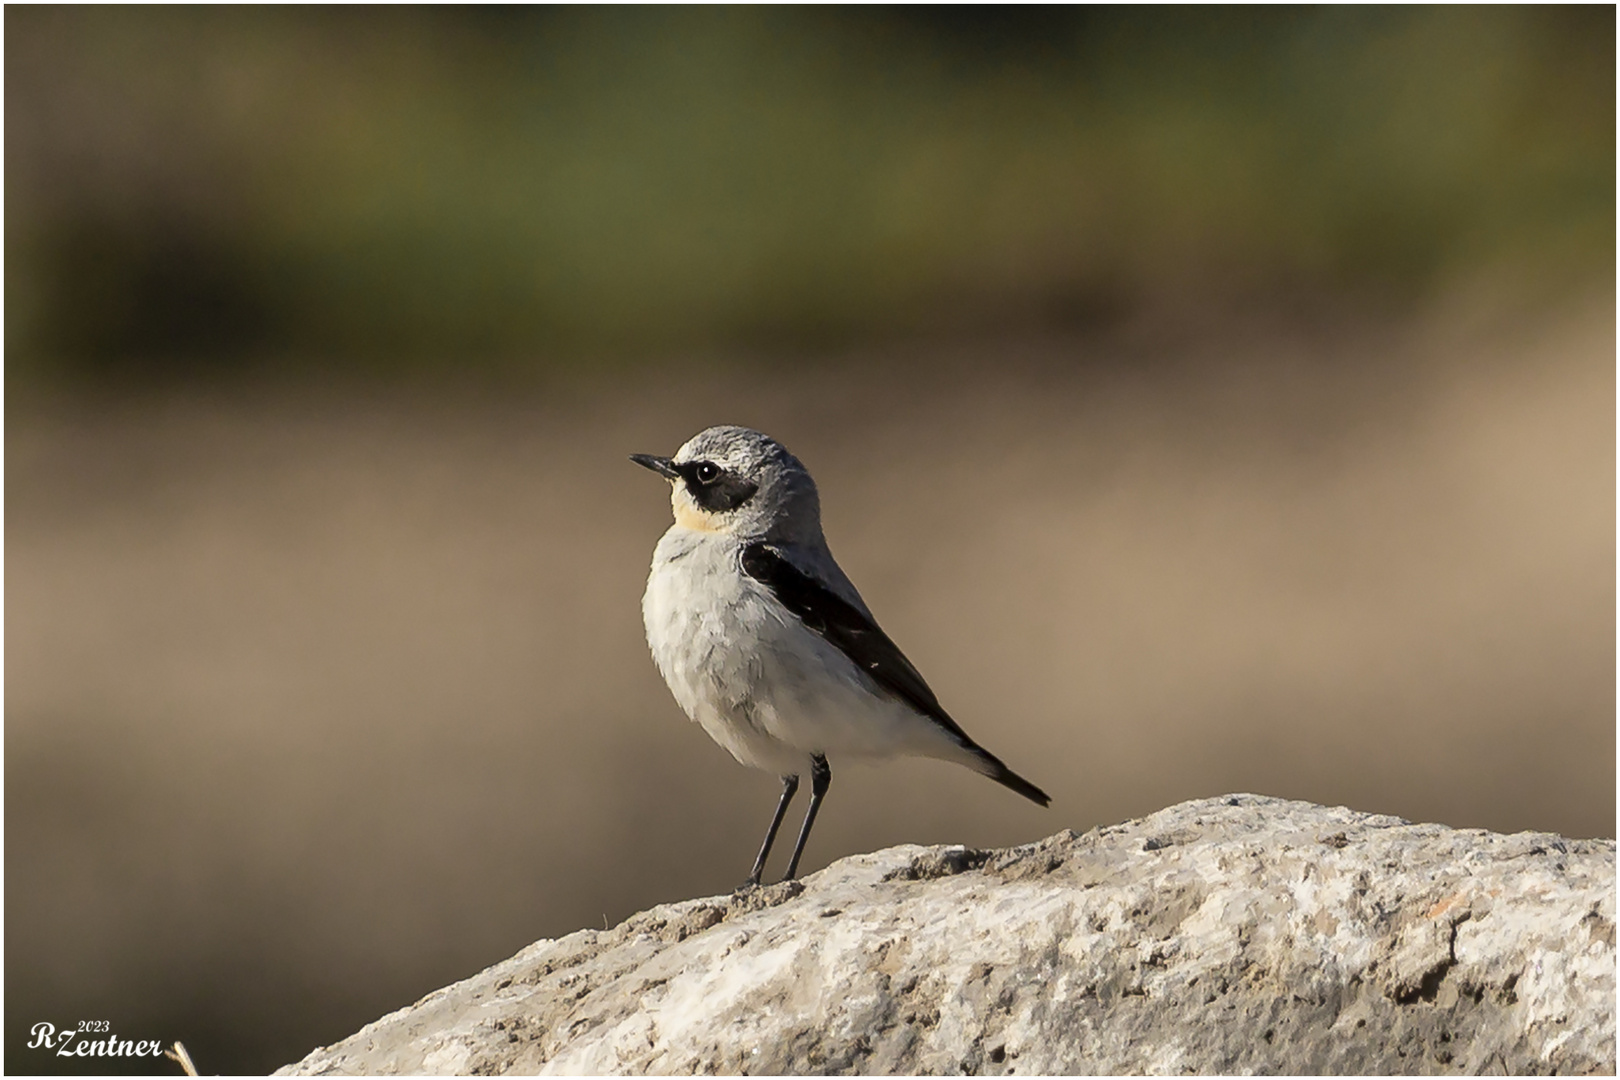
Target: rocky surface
x=1239, y=934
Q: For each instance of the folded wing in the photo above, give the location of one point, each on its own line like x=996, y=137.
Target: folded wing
x=868, y=648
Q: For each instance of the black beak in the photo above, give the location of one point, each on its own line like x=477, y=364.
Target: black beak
x=660, y=465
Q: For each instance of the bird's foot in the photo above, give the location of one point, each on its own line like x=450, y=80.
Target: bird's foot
x=749, y=898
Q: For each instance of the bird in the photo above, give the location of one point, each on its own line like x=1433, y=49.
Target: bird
x=764, y=641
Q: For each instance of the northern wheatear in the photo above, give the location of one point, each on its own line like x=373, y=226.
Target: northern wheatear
x=764, y=641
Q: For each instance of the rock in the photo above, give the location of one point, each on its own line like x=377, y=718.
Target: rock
x=1239, y=934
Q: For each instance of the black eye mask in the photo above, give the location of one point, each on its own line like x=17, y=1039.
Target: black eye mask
x=713, y=488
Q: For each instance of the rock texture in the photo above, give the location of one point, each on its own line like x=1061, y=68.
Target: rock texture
x=1240, y=934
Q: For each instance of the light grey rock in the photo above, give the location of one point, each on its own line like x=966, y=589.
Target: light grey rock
x=1239, y=934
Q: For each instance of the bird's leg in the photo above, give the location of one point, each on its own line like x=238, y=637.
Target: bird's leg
x=790, y=784
x=820, y=780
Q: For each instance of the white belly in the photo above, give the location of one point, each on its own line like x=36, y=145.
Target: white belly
x=762, y=685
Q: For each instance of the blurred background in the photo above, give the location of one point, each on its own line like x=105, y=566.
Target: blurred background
x=1206, y=400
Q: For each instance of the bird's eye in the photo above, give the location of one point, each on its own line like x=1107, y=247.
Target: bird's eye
x=707, y=472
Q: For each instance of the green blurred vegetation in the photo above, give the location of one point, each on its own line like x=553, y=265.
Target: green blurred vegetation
x=200, y=189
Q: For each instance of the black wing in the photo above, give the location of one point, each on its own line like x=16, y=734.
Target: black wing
x=869, y=648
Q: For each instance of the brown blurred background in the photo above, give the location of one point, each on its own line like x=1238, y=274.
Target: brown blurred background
x=1206, y=400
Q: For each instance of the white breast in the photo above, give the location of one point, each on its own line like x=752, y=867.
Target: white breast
x=748, y=671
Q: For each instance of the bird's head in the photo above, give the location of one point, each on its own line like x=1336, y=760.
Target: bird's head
x=741, y=482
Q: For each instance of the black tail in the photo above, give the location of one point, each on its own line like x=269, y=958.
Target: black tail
x=991, y=766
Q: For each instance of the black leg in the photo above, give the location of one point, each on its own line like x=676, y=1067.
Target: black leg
x=820, y=780
x=790, y=784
